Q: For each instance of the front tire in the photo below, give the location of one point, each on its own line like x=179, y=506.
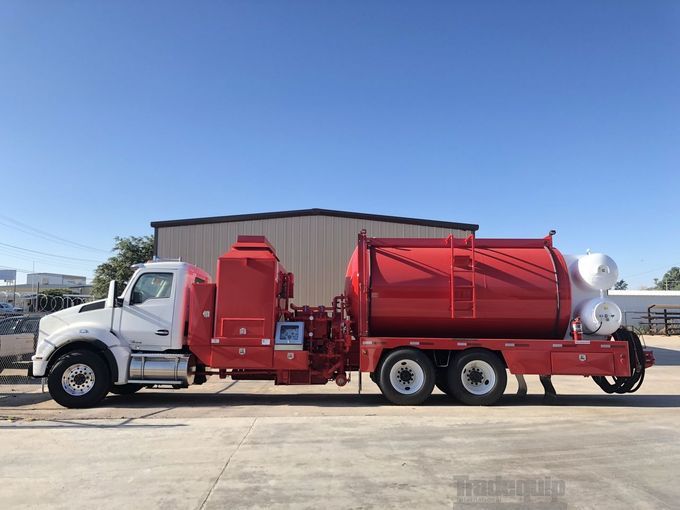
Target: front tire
x=79, y=379
x=477, y=377
x=407, y=377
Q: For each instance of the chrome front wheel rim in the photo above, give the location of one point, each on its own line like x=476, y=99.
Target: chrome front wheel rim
x=78, y=379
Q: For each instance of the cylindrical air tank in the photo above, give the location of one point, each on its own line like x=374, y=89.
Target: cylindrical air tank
x=591, y=275
x=479, y=288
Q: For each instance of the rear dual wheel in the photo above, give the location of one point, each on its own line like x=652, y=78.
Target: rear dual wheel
x=474, y=377
x=406, y=377
x=477, y=377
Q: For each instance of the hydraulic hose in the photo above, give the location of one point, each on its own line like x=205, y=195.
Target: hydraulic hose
x=637, y=366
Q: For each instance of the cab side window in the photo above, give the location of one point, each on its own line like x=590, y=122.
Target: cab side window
x=151, y=286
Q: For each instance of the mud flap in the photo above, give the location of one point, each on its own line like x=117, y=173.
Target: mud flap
x=521, y=385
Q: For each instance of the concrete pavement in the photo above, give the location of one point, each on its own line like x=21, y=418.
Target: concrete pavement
x=254, y=445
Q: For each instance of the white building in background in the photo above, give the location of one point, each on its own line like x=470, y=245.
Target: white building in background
x=55, y=279
x=635, y=303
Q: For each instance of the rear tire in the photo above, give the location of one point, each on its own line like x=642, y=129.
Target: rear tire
x=477, y=377
x=406, y=377
x=79, y=379
x=125, y=389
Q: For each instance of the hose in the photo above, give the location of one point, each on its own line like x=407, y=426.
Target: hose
x=637, y=366
x=594, y=332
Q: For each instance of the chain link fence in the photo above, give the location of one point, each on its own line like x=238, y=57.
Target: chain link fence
x=19, y=335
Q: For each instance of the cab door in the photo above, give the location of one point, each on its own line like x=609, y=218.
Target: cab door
x=147, y=314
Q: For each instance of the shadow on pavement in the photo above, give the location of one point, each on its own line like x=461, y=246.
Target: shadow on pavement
x=174, y=400
x=18, y=398
x=88, y=424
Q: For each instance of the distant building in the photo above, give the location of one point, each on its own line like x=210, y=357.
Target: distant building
x=55, y=279
x=315, y=244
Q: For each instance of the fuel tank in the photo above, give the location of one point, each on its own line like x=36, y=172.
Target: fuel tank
x=461, y=288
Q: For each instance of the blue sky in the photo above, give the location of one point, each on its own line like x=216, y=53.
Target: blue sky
x=519, y=116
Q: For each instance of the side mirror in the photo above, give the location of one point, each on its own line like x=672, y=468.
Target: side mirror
x=111, y=295
x=120, y=287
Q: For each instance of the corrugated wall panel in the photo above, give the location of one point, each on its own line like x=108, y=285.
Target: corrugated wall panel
x=315, y=248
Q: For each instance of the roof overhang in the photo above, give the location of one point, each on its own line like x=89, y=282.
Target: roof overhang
x=316, y=212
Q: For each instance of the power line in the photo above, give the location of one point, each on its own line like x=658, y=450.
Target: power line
x=27, y=229
x=18, y=270
x=49, y=254
x=650, y=271
x=62, y=266
x=55, y=266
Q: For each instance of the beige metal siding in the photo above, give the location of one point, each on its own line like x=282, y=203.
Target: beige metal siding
x=315, y=248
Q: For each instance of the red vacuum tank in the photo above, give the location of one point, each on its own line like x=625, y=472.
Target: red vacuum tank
x=461, y=288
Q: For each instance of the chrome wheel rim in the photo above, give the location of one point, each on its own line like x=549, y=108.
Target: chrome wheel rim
x=78, y=379
x=407, y=377
x=478, y=377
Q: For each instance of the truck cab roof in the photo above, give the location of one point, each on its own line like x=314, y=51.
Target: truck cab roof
x=164, y=264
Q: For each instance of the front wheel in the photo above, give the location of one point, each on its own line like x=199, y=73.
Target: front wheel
x=477, y=377
x=79, y=379
x=407, y=377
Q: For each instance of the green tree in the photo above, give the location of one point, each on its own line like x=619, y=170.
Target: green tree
x=621, y=285
x=55, y=292
x=129, y=250
x=670, y=281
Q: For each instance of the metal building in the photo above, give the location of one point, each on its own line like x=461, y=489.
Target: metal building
x=315, y=244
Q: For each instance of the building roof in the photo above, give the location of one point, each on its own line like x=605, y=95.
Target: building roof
x=659, y=293
x=316, y=212
x=56, y=274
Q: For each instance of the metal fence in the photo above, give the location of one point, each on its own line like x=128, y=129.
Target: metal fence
x=19, y=335
x=46, y=303
x=655, y=320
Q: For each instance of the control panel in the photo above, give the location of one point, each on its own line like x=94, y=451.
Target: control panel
x=290, y=336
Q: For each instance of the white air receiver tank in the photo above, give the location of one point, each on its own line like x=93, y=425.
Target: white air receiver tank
x=600, y=316
x=597, y=271
x=591, y=275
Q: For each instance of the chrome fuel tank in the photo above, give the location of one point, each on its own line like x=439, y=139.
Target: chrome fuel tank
x=175, y=369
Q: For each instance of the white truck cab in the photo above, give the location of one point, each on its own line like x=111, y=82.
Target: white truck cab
x=120, y=343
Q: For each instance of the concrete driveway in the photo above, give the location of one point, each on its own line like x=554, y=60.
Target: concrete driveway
x=255, y=445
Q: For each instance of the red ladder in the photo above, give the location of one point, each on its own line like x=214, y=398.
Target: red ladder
x=463, y=266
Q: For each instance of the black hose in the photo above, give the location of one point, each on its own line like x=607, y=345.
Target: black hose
x=594, y=332
x=637, y=366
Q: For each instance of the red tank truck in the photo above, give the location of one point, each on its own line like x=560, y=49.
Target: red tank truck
x=416, y=313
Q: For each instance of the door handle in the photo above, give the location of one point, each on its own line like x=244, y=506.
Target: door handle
x=162, y=332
